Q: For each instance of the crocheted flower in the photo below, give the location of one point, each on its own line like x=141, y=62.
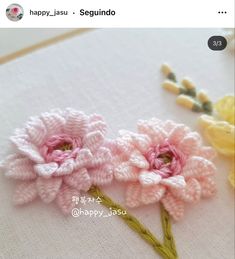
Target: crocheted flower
x=164, y=162
x=58, y=155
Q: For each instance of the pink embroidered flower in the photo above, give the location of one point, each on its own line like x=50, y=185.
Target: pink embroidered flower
x=164, y=162
x=58, y=155
x=15, y=10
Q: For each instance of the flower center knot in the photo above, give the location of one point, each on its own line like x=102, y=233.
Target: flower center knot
x=165, y=160
x=60, y=147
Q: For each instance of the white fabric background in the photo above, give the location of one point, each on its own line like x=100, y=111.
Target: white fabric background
x=115, y=73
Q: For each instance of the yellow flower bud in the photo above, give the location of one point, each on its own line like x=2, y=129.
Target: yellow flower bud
x=171, y=87
x=185, y=101
x=187, y=83
x=166, y=69
x=203, y=97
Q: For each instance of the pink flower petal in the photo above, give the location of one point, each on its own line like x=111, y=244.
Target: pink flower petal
x=138, y=160
x=189, y=144
x=48, y=188
x=83, y=159
x=127, y=137
x=93, y=140
x=133, y=193
x=198, y=167
x=20, y=133
x=191, y=193
x=144, y=128
x=124, y=146
x=76, y=123
x=66, y=168
x=27, y=149
x=46, y=170
x=174, y=206
x=101, y=156
x=53, y=122
x=110, y=144
x=154, y=129
x=168, y=126
x=159, y=135
x=148, y=125
x=95, y=117
x=208, y=153
x=152, y=194
x=142, y=142
x=102, y=175
x=64, y=199
x=208, y=187
x=21, y=169
x=147, y=178
x=98, y=126
x=25, y=192
x=177, y=134
x=174, y=182
x=79, y=180
x=125, y=172
x=6, y=163
x=36, y=131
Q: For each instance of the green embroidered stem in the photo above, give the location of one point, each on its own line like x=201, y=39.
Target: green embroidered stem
x=168, y=236
x=167, y=251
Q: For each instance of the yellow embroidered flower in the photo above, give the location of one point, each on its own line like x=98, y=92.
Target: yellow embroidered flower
x=225, y=108
x=221, y=133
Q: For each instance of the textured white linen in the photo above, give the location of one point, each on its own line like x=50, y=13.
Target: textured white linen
x=115, y=73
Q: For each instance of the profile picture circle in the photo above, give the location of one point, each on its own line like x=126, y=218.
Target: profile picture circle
x=15, y=12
